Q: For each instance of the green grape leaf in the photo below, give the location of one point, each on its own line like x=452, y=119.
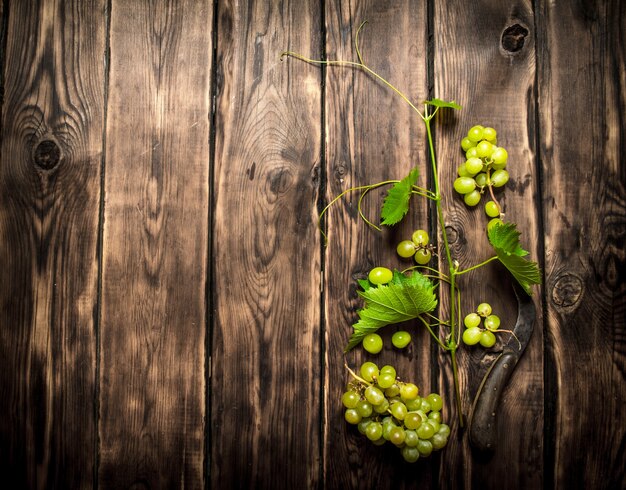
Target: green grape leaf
x=396, y=203
x=505, y=240
x=442, y=103
x=365, y=284
x=404, y=298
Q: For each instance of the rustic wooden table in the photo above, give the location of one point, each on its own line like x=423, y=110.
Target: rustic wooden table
x=168, y=314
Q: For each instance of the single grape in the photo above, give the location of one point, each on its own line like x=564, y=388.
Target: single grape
x=471, y=153
x=424, y=447
x=467, y=143
x=406, y=249
x=484, y=309
x=490, y=135
x=422, y=256
x=425, y=431
x=382, y=407
x=436, y=403
x=484, y=149
x=401, y=339
x=373, y=343
x=473, y=166
x=434, y=423
x=499, y=178
x=435, y=416
x=420, y=238
x=350, y=399
x=397, y=435
x=410, y=454
x=472, y=198
x=491, y=209
x=475, y=133
x=369, y=371
x=364, y=408
x=385, y=380
x=393, y=390
x=494, y=222
x=412, y=420
x=374, y=395
x=374, y=431
x=414, y=404
x=499, y=156
x=408, y=391
x=492, y=322
x=471, y=320
x=398, y=410
x=380, y=275
x=352, y=416
x=439, y=441
x=425, y=406
x=363, y=425
x=462, y=171
x=487, y=339
x=471, y=336
x=481, y=179
x=444, y=430
x=463, y=185
x=387, y=369
x=410, y=438
x=379, y=442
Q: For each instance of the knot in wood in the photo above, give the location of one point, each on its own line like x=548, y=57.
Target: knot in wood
x=567, y=290
x=513, y=38
x=47, y=154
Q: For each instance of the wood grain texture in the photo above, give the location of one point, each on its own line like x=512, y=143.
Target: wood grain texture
x=371, y=136
x=480, y=63
x=52, y=125
x=584, y=197
x=155, y=242
x=265, y=386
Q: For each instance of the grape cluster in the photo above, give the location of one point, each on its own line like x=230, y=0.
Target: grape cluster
x=484, y=167
x=387, y=409
x=474, y=334
x=417, y=247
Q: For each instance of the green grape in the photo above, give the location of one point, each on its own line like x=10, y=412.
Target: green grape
x=374, y=395
x=499, y=156
x=490, y=135
x=425, y=406
x=387, y=369
x=484, y=309
x=499, y=178
x=471, y=153
x=425, y=431
x=436, y=403
x=401, y=339
x=379, y=442
x=439, y=441
x=436, y=416
x=481, y=179
x=484, y=149
x=350, y=399
x=410, y=454
x=369, y=371
x=412, y=420
x=434, y=423
x=363, y=425
x=491, y=209
x=408, y=391
x=463, y=185
x=393, y=390
x=493, y=222
x=374, y=431
x=472, y=198
x=475, y=133
x=373, y=343
x=420, y=238
x=424, y=447
x=414, y=404
x=471, y=320
x=380, y=275
x=410, y=438
x=462, y=171
x=422, y=256
x=364, y=408
x=352, y=416
x=406, y=249
x=385, y=380
x=467, y=143
x=492, y=322
x=398, y=410
x=473, y=166
x=487, y=339
x=444, y=430
x=387, y=428
x=382, y=407
x=471, y=336
x=397, y=436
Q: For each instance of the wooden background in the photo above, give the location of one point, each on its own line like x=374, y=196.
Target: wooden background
x=169, y=317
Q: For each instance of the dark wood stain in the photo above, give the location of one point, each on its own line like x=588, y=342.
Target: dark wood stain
x=169, y=317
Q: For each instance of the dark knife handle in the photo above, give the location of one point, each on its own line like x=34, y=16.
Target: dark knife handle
x=483, y=428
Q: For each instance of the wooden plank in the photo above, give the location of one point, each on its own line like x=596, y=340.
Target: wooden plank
x=265, y=384
x=582, y=155
x=52, y=122
x=371, y=136
x=485, y=59
x=152, y=375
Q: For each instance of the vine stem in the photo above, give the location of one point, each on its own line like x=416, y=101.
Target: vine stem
x=474, y=267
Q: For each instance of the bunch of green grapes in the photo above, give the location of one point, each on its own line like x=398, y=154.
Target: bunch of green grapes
x=484, y=168
x=417, y=247
x=474, y=333
x=386, y=409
